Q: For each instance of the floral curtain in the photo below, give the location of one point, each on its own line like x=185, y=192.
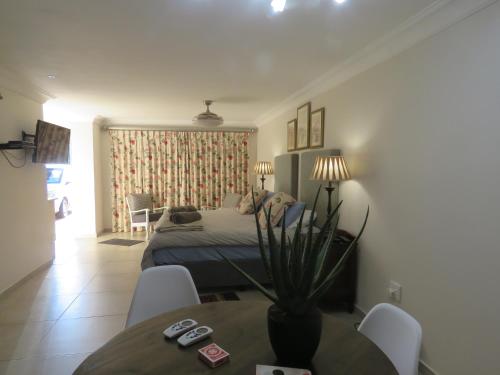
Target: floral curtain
x=177, y=168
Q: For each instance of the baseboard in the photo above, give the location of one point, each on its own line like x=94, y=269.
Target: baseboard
x=33, y=273
x=423, y=368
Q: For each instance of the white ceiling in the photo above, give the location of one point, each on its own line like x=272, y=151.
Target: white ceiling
x=154, y=61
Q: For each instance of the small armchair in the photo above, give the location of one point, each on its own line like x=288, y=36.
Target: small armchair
x=142, y=213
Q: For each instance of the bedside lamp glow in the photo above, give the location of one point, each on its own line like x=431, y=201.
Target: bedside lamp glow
x=331, y=169
x=263, y=168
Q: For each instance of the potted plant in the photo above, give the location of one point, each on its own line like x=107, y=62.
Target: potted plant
x=296, y=268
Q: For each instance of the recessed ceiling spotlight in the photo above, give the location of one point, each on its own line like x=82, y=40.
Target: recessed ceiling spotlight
x=278, y=5
x=51, y=76
x=340, y=1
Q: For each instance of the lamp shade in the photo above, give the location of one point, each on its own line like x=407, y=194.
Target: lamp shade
x=330, y=168
x=263, y=167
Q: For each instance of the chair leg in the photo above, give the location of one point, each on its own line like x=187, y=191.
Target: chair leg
x=147, y=232
x=131, y=231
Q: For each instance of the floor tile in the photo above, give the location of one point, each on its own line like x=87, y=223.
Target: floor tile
x=112, y=283
x=83, y=335
x=59, y=365
x=114, y=268
x=99, y=304
x=19, y=340
x=38, y=309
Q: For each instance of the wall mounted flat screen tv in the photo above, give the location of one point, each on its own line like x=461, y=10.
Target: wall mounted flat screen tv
x=51, y=144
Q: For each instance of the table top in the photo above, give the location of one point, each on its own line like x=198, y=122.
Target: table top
x=241, y=329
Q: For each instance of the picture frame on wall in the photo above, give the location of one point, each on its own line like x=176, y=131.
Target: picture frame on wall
x=303, y=126
x=291, y=130
x=317, y=131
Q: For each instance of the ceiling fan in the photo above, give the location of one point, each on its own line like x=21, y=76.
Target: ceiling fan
x=208, y=118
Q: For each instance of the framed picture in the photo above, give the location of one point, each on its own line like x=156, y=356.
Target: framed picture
x=291, y=130
x=317, y=132
x=303, y=122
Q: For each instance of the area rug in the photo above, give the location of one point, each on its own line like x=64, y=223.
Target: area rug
x=216, y=297
x=121, y=242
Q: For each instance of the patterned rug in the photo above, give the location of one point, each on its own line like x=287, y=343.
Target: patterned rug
x=215, y=297
x=121, y=242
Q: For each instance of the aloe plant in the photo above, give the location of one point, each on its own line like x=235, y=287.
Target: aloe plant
x=297, y=266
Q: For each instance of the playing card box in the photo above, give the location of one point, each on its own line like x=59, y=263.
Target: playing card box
x=273, y=370
x=213, y=355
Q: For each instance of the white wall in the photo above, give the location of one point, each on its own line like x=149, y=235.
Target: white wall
x=421, y=134
x=105, y=150
x=27, y=219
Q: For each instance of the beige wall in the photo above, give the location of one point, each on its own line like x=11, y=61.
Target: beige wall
x=106, y=173
x=27, y=219
x=421, y=134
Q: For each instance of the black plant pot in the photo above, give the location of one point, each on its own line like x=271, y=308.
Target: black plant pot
x=294, y=339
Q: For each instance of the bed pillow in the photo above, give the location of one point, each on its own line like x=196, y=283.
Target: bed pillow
x=277, y=205
x=293, y=213
x=246, y=204
x=231, y=200
x=305, y=220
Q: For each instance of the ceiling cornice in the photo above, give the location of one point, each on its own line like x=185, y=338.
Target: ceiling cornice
x=14, y=82
x=433, y=19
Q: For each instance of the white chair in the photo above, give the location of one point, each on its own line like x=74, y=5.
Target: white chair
x=159, y=290
x=397, y=334
x=142, y=213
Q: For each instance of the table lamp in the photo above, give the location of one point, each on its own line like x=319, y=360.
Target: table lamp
x=331, y=169
x=263, y=168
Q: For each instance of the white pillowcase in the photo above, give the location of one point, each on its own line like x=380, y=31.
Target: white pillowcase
x=305, y=220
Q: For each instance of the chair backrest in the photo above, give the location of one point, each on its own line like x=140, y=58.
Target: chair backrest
x=139, y=201
x=397, y=334
x=159, y=290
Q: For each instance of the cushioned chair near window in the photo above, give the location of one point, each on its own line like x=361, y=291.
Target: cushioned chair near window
x=397, y=334
x=160, y=290
x=142, y=213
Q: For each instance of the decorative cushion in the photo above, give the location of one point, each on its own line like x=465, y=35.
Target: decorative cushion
x=277, y=205
x=231, y=200
x=140, y=202
x=246, y=204
x=293, y=213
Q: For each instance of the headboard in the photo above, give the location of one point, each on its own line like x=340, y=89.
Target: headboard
x=286, y=174
x=308, y=187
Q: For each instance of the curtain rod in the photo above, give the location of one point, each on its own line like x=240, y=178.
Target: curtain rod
x=183, y=129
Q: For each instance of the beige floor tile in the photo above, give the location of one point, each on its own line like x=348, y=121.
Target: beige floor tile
x=114, y=268
x=38, y=309
x=83, y=335
x=72, y=270
x=99, y=304
x=125, y=282
x=59, y=365
x=19, y=340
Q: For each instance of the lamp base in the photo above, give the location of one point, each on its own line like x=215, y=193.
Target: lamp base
x=263, y=179
x=329, y=189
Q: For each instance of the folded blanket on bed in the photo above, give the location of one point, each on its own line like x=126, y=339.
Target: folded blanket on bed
x=185, y=217
x=165, y=225
x=173, y=210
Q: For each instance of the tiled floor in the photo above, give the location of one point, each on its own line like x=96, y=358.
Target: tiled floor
x=50, y=323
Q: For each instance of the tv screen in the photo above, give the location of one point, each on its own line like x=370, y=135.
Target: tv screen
x=51, y=144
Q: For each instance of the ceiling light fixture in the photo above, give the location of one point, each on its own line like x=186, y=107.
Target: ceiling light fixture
x=278, y=5
x=208, y=118
x=340, y=1
x=51, y=76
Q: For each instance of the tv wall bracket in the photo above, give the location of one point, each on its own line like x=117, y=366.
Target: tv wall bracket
x=27, y=143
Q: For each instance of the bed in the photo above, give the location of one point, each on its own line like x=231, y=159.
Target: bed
x=224, y=230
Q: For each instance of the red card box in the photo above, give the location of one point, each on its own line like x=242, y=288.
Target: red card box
x=213, y=355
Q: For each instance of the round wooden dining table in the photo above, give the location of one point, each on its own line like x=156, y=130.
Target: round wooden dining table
x=240, y=328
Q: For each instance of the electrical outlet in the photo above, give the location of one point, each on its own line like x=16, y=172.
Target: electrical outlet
x=394, y=291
